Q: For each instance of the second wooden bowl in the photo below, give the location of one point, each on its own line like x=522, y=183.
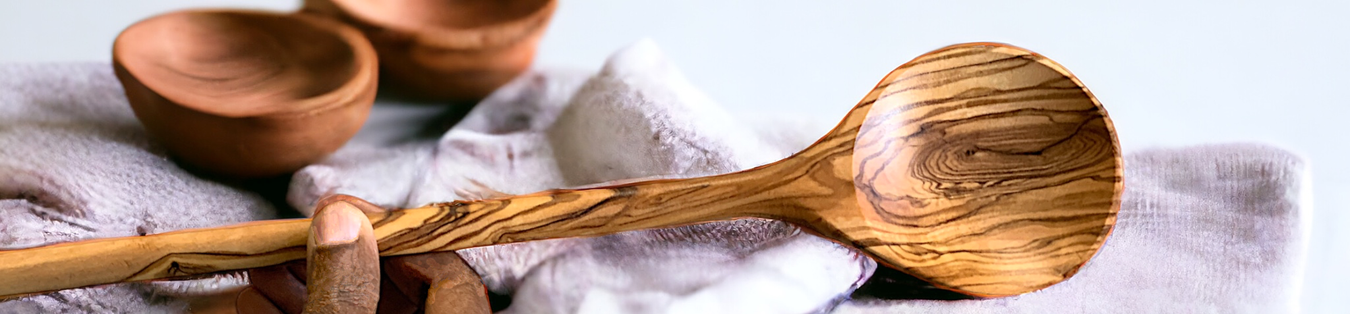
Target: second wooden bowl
x=247, y=93
x=447, y=50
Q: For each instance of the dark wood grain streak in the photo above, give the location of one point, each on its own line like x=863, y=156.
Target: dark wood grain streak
x=981, y=168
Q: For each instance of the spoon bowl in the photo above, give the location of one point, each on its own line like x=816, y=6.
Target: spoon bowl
x=985, y=169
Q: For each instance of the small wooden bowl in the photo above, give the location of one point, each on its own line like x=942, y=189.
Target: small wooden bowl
x=247, y=93
x=447, y=50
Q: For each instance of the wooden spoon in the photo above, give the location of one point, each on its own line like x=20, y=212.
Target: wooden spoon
x=981, y=168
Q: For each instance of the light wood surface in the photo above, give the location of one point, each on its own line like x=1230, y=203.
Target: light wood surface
x=980, y=168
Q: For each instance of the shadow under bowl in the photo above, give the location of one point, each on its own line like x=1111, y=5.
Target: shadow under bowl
x=244, y=93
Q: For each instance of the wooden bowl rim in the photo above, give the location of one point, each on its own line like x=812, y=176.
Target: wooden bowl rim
x=476, y=38
x=361, y=81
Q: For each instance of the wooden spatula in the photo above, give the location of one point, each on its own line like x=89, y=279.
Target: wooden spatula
x=981, y=168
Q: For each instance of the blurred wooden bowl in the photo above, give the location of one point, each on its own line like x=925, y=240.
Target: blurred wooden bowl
x=447, y=50
x=247, y=93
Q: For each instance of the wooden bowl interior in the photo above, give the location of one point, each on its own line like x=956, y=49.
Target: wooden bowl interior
x=238, y=63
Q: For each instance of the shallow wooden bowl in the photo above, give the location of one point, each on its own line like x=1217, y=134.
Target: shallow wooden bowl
x=447, y=50
x=247, y=93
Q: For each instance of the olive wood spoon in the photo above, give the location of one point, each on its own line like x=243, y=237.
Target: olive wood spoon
x=981, y=168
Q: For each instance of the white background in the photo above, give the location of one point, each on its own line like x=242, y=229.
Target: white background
x=1171, y=73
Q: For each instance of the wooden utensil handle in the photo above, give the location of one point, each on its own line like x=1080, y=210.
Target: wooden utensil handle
x=440, y=227
x=173, y=254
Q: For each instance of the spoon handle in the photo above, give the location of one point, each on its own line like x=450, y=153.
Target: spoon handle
x=173, y=254
x=439, y=227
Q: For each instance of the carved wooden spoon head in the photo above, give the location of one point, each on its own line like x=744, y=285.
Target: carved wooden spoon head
x=982, y=168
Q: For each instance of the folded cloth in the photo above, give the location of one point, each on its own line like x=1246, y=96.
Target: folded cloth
x=75, y=164
x=1207, y=229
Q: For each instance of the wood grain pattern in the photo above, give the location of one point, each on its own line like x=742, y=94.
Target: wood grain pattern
x=980, y=168
x=988, y=170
